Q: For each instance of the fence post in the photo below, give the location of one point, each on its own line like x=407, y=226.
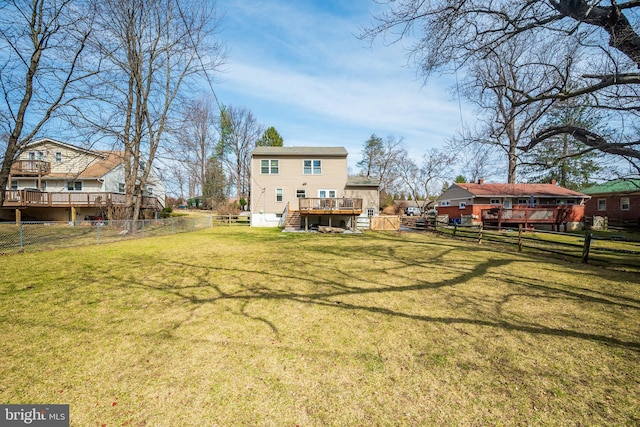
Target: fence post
x=586, y=248
x=455, y=229
x=480, y=233
x=519, y=237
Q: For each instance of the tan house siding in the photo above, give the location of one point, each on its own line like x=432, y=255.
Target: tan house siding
x=291, y=177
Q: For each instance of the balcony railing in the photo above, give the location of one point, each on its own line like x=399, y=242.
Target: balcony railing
x=30, y=198
x=331, y=206
x=30, y=168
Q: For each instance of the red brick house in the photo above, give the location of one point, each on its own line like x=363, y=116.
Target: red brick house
x=618, y=200
x=532, y=205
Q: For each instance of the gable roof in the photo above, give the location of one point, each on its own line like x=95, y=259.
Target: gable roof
x=518, y=190
x=615, y=186
x=300, y=151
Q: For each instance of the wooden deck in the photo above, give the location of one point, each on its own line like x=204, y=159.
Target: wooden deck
x=30, y=168
x=556, y=215
x=329, y=206
x=37, y=199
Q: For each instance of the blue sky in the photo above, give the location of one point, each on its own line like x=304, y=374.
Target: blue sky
x=298, y=66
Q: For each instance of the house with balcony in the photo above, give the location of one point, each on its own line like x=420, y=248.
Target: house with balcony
x=304, y=188
x=543, y=206
x=56, y=181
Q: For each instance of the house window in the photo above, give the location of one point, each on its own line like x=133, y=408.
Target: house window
x=58, y=156
x=279, y=194
x=445, y=203
x=323, y=194
x=14, y=185
x=624, y=203
x=523, y=201
x=43, y=186
x=269, y=167
x=371, y=212
x=32, y=155
x=495, y=202
x=149, y=191
x=121, y=187
x=602, y=204
x=301, y=194
x=312, y=167
x=462, y=205
x=571, y=201
x=74, y=185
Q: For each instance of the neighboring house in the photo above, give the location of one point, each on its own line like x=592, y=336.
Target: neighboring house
x=56, y=181
x=304, y=187
x=618, y=200
x=532, y=205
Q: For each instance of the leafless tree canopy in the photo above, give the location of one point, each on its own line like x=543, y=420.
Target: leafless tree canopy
x=594, y=52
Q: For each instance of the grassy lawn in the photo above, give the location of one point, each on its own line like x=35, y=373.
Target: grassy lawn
x=239, y=326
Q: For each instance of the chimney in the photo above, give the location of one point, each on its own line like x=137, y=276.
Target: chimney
x=481, y=181
x=552, y=182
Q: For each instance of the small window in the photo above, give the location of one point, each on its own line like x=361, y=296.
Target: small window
x=571, y=201
x=523, y=201
x=312, y=167
x=150, y=191
x=624, y=203
x=371, y=212
x=121, y=187
x=43, y=186
x=602, y=204
x=279, y=194
x=14, y=185
x=58, y=157
x=462, y=205
x=40, y=155
x=269, y=167
x=495, y=202
x=301, y=194
x=74, y=185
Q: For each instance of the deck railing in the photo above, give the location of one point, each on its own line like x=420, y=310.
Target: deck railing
x=30, y=167
x=330, y=205
x=550, y=215
x=30, y=198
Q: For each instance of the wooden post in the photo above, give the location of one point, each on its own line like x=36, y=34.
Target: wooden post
x=73, y=214
x=480, y=233
x=586, y=248
x=306, y=223
x=519, y=237
x=18, y=216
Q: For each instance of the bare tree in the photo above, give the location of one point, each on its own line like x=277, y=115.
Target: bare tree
x=381, y=159
x=42, y=44
x=240, y=132
x=153, y=48
x=457, y=34
x=425, y=179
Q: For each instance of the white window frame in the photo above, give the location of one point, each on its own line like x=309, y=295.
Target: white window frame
x=121, y=187
x=43, y=185
x=625, y=201
x=269, y=166
x=301, y=194
x=462, y=205
x=495, y=201
x=73, y=185
x=327, y=193
x=601, y=205
x=313, y=168
x=58, y=156
x=371, y=212
x=279, y=195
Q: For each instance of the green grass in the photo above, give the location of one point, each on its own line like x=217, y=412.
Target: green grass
x=238, y=326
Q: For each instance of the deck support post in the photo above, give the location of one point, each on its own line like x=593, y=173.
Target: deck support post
x=73, y=214
x=18, y=216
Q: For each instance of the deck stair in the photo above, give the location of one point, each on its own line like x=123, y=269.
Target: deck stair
x=293, y=221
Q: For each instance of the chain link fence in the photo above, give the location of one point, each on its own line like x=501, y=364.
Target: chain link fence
x=38, y=236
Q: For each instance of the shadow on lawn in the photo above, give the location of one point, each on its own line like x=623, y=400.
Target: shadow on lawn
x=332, y=290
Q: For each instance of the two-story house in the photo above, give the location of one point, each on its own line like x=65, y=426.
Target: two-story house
x=56, y=181
x=300, y=188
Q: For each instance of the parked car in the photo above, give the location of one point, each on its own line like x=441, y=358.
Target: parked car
x=412, y=210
